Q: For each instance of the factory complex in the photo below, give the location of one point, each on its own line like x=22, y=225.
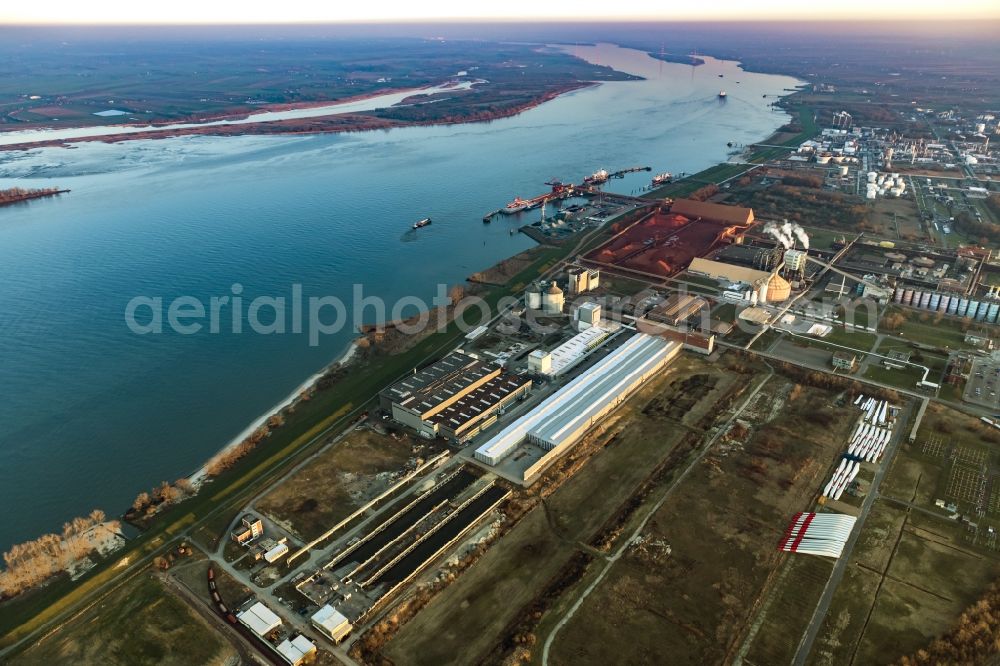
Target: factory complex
x=564, y=417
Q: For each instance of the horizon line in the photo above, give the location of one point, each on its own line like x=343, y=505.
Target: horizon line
x=639, y=20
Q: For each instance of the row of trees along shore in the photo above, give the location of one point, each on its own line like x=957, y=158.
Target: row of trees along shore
x=32, y=562
x=16, y=194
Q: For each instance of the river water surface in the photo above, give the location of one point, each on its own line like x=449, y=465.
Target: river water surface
x=91, y=413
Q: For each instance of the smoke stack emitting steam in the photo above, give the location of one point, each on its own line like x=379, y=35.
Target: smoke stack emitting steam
x=787, y=233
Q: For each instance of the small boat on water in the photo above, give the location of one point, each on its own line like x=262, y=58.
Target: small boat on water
x=722, y=94
x=422, y=223
x=662, y=178
x=516, y=206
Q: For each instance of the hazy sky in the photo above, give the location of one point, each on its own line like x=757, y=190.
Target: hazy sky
x=264, y=11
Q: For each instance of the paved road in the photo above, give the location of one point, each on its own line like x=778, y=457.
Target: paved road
x=819, y=613
x=610, y=561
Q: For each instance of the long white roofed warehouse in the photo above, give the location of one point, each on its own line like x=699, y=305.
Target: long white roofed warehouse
x=563, y=418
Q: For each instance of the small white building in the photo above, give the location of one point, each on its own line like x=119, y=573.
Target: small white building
x=588, y=315
x=540, y=361
x=259, y=619
x=332, y=623
x=296, y=650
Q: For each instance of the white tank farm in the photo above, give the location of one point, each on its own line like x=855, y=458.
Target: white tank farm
x=925, y=299
x=953, y=306
x=963, y=305
x=935, y=301
x=992, y=312
x=945, y=301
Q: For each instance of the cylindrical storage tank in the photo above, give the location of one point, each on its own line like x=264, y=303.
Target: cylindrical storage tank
x=953, y=306
x=925, y=299
x=908, y=297
x=872, y=176
x=992, y=312
x=843, y=171
x=896, y=191
x=934, y=302
x=898, y=296
x=981, y=312
x=534, y=300
x=963, y=305
x=945, y=302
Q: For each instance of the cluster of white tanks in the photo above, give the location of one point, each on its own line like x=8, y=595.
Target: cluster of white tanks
x=881, y=184
x=959, y=306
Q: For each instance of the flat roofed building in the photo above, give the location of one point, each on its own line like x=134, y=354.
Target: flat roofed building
x=331, y=622
x=844, y=360
x=569, y=353
x=712, y=212
x=296, y=650
x=677, y=309
x=250, y=528
x=479, y=409
x=540, y=361
x=564, y=416
x=415, y=399
x=259, y=619
x=723, y=271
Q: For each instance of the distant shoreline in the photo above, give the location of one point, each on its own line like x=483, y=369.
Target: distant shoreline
x=328, y=124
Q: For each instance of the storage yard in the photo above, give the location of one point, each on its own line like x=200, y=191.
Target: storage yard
x=927, y=550
x=663, y=244
x=766, y=469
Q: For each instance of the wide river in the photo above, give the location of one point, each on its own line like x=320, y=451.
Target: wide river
x=91, y=413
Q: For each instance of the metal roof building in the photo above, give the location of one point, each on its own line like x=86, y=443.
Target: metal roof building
x=712, y=211
x=569, y=353
x=331, y=622
x=296, y=650
x=416, y=398
x=260, y=619
x=566, y=415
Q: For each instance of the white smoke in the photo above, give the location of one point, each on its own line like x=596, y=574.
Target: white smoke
x=787, y=233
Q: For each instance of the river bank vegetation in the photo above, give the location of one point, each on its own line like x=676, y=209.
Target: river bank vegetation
x=32, y=562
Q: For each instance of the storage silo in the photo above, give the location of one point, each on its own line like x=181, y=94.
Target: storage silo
x=945, y=302
x=533, y=297
x=908, y=297
x=843, y=170
x=963, y=305
x=925, y=299
x=992, y=312
x=897, y=297
x=953, y=306
x=872, y=176
x=984, y=307
x=935, y=301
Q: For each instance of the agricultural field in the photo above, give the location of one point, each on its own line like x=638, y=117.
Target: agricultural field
x=140, y=623
x=337, y=482
x=542, y=555
x=742, y=496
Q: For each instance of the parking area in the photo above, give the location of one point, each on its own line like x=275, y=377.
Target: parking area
x=984, y=382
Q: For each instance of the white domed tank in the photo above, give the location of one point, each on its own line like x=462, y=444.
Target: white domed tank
x=778, y=289
x=552, y=299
